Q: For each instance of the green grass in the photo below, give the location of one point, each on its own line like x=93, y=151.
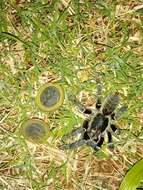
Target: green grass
x=68, y=43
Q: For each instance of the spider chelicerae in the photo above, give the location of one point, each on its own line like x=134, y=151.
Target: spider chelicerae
x=98, y=123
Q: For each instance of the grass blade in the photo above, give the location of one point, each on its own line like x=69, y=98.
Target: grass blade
x=133, y=177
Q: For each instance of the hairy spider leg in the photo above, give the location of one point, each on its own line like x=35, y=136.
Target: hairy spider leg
x=110, y=140
x=110, y=103
x=119, y=113
x=80, y=106
x=83, y=109
x=100, y=142
x=75, y=132
x=113, y=127
x=96, y=145
x=99, y=95
x=92, y=143
x=74, y=145
x=85, y=126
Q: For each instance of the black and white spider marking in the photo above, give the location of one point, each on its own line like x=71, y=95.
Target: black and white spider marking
x=98, y=124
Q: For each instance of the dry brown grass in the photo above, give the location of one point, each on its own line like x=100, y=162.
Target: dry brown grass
x=102, y=37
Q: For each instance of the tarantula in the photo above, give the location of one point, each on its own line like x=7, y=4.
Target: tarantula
x=98, y=123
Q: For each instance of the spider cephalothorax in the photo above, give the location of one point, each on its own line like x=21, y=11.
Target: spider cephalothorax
x=98, y=124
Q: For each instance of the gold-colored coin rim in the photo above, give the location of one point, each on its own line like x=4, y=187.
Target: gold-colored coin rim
x=54, y=107
x=43, y=124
